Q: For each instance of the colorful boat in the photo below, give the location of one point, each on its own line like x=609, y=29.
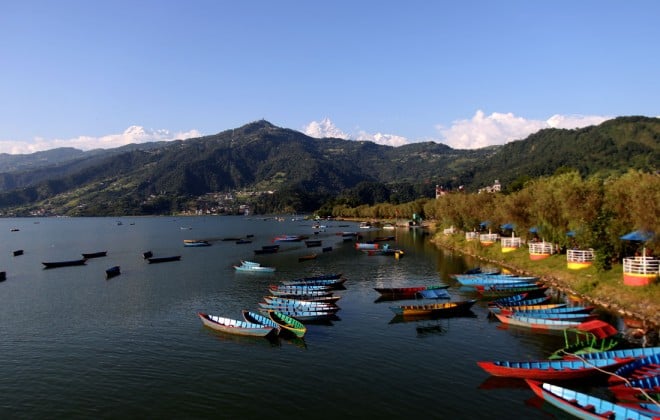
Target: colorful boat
x=549, y=314
x=196, y=242
x=536, y=323
x=287, y=323
x=307, y=257
x=289, y=238
x=307, y=316
x=407, y=292
x=511, y=289
x=309, y=303
x=256, y=318
x=634, y=388
x=335, y=283
x=253, y=267
x=584, y=406
x=637, y=369
x=519, y=299
x=448, y=308
x=434, y=294
x=552, y=370
x=589, y=337
x=635, y=352
x=237, y=327
x=289, y=307
x=366, y=246
x=508, y=310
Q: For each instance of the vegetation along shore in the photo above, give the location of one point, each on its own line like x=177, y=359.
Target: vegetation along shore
x=567, y=212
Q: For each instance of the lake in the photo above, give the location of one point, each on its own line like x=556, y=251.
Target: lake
x=75, y=345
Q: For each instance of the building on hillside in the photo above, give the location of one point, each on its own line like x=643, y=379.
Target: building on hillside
x=496, y=187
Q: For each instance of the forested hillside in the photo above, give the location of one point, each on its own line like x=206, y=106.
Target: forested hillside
x=305, y=172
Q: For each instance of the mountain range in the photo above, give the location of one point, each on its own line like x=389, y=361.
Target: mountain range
x=260, y=156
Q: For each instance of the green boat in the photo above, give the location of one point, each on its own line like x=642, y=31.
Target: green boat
x=589, y=337
x=287, y=323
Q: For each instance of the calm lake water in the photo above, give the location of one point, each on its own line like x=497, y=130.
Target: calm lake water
x=75, y=345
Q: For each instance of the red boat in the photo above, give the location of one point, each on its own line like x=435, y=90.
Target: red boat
x=552, y=370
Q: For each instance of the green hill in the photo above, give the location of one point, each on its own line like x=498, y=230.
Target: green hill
x=156, y=178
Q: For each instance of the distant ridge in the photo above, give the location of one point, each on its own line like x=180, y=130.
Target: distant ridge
x=260, y=156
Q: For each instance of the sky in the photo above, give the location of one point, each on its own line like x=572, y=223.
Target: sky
x=469, y=74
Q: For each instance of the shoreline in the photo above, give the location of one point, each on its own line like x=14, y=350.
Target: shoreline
x=642, y=325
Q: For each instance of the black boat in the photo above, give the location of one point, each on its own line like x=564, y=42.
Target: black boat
x=154, y=260
x=147, y=254
x=313, y=243
x=55, y=264
x=265, y=251
x=112, y=272
x=3, y=275
x=95, y=254
x=18, y=252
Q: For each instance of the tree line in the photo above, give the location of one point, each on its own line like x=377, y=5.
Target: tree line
x=596, y=211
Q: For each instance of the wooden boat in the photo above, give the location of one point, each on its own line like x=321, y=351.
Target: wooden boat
x=243, y=241
x=95, y=254
x=196, y=242
x=307, y=316
x=3, y=275
x=112, y=272
x=583, y=406
x=289, y=238
x=147, y=255
x=55, y=264
x=307, y=257
x=18, y=252
x=326, y=249
x=551, y=370
x=155, y=260
x=434, y=294
x=287, y=308
x=448, y=308
x=289, y=289
x=485, y=280
x=265, y=251
x=519, y=299
x=384, y=238
x=634, y=352
x=330, y=299
x=508, y=310
x=257, y=318
x=637, y=369
x=270, y=246
x=366, y=246
x=633, y=388
x=237, y=327
x=505, y=290
x=287, y=323
x=332, y=283
x=536, y=323
x=253, y=269
x=313, y=295
x=313, y=243
x=570, y=316
x=299, y=302
x=588, y=337
x=407, y=292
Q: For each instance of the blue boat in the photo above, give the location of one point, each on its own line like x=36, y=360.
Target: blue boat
x=434, y=294
x=637, y=352
x=494, y=279
x=519, y=299
x=256, y=318
x=639, y=368
x=584, y=406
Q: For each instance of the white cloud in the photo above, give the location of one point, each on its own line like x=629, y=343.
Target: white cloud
x=498, y=128
x=324, y=128
x=133, y=134
x=386, y=139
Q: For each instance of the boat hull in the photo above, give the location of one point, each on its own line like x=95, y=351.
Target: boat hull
x=56, y=264
x=235, y=327
x=552, y=370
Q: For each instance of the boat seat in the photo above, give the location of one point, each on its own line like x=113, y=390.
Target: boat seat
x=608, y=415
x=589, y=407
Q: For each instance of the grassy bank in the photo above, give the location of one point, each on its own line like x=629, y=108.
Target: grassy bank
x=603, y=288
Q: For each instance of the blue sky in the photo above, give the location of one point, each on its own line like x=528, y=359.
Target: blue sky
x=89, y=74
